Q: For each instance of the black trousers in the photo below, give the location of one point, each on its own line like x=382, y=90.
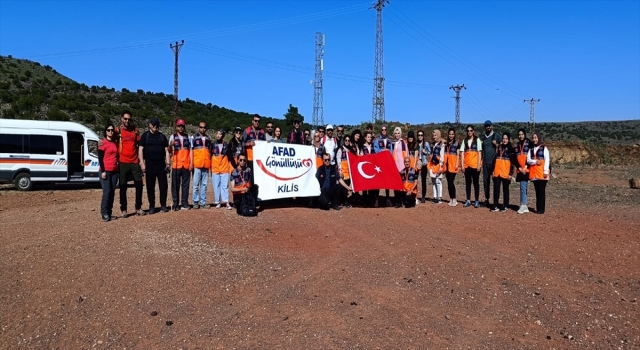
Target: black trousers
x=487, y=174
x=130, y=170
x=180, y=180
x=408, y=200
x=497, y=182
x=108, y=192
x=237, y=197
x=331, y=195
x=156, y=172
x=451, y=186
x=472, y=175
x=540, y=187
x=423, y=177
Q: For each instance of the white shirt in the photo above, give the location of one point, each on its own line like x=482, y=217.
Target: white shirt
x=330, y=146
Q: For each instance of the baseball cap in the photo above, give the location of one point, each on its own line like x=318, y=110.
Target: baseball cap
x=296, y=120
x=488, y=123
x=329, y=127
x=237, y=128
x=179, y=122
x=154, y=121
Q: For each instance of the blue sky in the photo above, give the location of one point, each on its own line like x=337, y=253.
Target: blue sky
x=581, y=58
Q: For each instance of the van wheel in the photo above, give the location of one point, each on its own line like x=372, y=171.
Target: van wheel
x=23, y=182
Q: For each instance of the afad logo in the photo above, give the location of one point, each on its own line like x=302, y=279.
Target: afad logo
x=284, y=158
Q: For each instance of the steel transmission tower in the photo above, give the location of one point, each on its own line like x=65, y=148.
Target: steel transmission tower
x=318, y=110
x=176, y=51
x=378, y=75
x=532, y=125
x=457, y=89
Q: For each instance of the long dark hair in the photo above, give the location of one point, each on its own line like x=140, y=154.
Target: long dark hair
x=454, y=136
x=107, y=126
x=360, y=140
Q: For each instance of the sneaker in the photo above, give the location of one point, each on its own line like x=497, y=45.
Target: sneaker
x=495, y=209
x=124, y=214
x=218, y=206
x=467, y=203
x=185, y=208
x=476, y=204
x=164, y=209
x=196, y=206
x=141, y=212
x=523, y=209
x=176, y=208
x=503, y=210
x=450, y=203
x=152, y=211
x=389, y=204
x=439, y=201
x=229, y=206
x=417, y=201
x=455, y=203
x=106, y=217
x=336, y=207
x=206, y=206
x=423, y=200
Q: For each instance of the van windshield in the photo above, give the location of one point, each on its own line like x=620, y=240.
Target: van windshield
x=92, y=147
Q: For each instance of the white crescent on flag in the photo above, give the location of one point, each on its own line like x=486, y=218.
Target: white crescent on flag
x=365, y=175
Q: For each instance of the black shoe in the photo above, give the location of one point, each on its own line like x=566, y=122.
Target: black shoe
x=141, y=212
x=164, y=209
x=398, y=205
x=540, y=212
x=176, y=208
x=106, y=217
x=336, y=207
x=152, y=211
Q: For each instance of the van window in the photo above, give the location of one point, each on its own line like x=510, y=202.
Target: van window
x=12, y=143
x=92, y=146
x=46, y=144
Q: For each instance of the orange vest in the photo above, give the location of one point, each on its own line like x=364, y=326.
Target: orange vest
x=522, y=155
x=536, y=172
x=181, y=147
x=252, y=135
x=434, y=160
x=319, y=150
x=451, y=157
x=471, y=155
x=344, y=164
x=219, y=160
x=201, y=154
x=502, y=167
x=241, y=179
x=409, y=178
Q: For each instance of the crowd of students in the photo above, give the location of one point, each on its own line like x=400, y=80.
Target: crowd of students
x=125, y=154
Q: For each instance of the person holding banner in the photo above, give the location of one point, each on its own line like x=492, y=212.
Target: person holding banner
x=297, y=136
x=330, y=191
x=249, y=137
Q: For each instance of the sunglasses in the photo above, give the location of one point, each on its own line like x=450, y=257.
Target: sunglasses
x=202, y=127
x=305, y=134
x=126, y=119
x=339, y=130
x=469, y=130
x=383, y=129
x=256, y=120
x=180, y=126
x=109, y=130
x=241, y=160
x=237, y=132
x=327, y=160
x=347, y=140
x=420, y=135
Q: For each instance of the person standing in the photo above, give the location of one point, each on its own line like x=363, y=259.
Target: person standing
x=108, y=160
x=181, y=166
x=503, y=172
x=235, y=147
x=436, y=166
x=471, y=161
x=339, y=136
x=268, y=134
x=307, y=137
x=297, y=136
x=490, y=140
x=423, y=152
x=220, y=169
x=201, y=166
x=539, y=163
x=383, y=143
x=252, y=134
x=368, y=148
x=128, y=137
x=154, y=161
x=452, y=164
x=330, y=144
x=522, y=169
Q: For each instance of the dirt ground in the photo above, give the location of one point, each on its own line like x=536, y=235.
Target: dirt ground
x=431, y=277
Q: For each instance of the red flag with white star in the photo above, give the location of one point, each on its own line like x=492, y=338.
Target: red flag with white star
x=374, y=172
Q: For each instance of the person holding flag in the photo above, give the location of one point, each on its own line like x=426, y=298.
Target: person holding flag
x=383, y=143
x=374, y=172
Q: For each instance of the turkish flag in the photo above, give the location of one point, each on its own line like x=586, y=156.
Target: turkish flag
x=374, y=172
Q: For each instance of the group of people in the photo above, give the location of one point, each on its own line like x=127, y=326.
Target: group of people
x=125, y=154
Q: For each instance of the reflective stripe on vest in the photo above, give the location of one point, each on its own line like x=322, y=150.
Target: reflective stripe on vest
x=201, y=153
x=434, y=160
x=451, y=157
x=181, y=146
x=523, y=149
x=536, y=172
x=219, y=160
x=471, y=156
x=344, y=164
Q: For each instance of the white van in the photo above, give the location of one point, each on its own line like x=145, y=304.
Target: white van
x=47, y=151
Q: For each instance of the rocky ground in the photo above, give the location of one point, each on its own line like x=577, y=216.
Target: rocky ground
x=428, y=277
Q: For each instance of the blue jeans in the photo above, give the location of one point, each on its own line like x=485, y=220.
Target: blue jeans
x=200, y=180
x=523, y=192
x=220, y=187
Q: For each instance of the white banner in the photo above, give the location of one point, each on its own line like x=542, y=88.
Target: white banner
x=283, y=170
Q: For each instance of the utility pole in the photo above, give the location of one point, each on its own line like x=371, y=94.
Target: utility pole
x=176, y=51
x=318, y=110
x=457, y=89
x=378, y=75
x=532, y=125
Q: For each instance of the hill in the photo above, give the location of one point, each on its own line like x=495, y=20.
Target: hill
x=29, y=90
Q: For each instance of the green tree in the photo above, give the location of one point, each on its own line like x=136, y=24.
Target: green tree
x=292, y=113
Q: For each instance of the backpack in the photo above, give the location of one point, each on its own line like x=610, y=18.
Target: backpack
x=248, y=205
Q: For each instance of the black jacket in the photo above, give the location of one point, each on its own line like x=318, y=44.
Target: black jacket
x=321, y=175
